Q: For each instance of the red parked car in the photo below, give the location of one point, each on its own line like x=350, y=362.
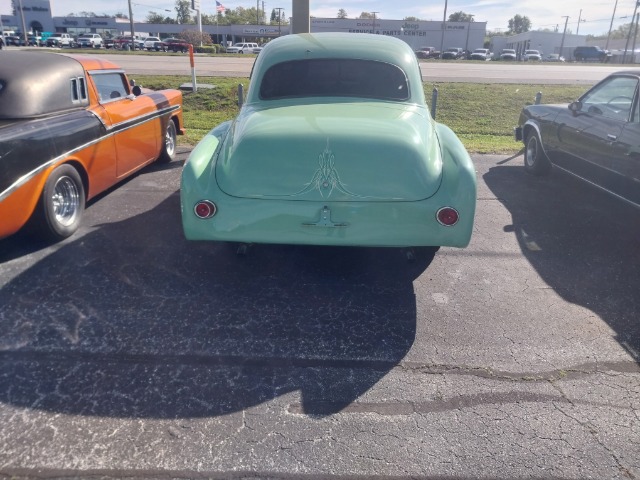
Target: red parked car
x=176, y=45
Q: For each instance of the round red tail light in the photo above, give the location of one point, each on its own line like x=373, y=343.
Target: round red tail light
x=447, y=216
x=205, y=209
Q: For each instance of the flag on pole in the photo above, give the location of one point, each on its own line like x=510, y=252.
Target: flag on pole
x=219, y=7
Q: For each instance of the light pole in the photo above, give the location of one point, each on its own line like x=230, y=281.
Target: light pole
x=373, y=27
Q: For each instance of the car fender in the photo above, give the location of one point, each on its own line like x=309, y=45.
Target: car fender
x=198, y=170
x=459, y=183
x=533, y=125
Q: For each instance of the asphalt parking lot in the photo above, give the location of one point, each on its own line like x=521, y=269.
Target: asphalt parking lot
x=128, y=352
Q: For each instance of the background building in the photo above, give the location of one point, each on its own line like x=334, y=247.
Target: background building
x=36, y=18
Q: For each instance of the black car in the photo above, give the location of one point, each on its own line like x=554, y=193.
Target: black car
x=15, y=40
x=596, y=138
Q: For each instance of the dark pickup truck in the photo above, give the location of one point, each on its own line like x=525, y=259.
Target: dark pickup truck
x=584, y=54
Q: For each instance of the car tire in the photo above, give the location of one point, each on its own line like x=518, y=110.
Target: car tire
x=536, y=161
x=61, y=205
x=169, y=148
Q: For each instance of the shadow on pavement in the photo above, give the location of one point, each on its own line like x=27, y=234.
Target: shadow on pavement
x=583, y=243
x=131, y=320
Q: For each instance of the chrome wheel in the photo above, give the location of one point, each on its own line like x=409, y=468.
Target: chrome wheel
x=531, y=153
x=169, y=149
x=61, y=204
x=65, y=201
x=170, y=139
x=535, y=159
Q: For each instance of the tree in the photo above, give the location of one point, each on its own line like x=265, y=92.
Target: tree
x=411, y=19
x=342, y=13
x=195, y=38
x=121, y=16
x=519, y=24
x=278, y=17
x=240, y=16
x=183, y=11
x=156, y=18
x=460, y=17
x=367, y=15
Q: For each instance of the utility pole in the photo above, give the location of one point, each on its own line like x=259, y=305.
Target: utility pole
x=579, y=20
x=133, y=34
x=606, y=47
x=566, y=20
x=444, y=25
x=373, y=27
x=24, y=26
x=635, y=10
x=635, y=35
x=466, y=46
x=279, y=19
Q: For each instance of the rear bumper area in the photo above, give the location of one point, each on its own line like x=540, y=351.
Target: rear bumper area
x=384, y=224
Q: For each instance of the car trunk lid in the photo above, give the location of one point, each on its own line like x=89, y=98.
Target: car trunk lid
x=368, y=151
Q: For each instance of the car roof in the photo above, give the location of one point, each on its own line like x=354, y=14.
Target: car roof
x=339, y=45
x=33, y=84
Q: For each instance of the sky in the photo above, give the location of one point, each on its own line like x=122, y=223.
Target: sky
x=595, y=15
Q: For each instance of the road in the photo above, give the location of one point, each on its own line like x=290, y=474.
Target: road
x=467, y=71
x=130, y=352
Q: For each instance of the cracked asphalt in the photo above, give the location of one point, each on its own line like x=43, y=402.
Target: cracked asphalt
x=127, y=352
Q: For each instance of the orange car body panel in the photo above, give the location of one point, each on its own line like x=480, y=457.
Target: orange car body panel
x=131, y=135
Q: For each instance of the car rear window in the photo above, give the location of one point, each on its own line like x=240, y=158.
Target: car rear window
x=335, y=78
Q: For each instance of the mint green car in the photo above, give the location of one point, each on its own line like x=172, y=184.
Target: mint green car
x=334, y=145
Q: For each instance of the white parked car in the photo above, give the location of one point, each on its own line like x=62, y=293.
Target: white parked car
x=481, y=54
x=532, y=55
x=153, y=43
x=89, y=40
x=553, y=57
x=508, y=54
x=243, y=48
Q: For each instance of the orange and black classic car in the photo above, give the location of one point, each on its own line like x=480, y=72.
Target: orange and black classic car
x=70, y=128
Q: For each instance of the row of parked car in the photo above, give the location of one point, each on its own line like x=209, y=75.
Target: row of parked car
x=125, y=42
x=94, y=40
x=581, y=54
x=484, y=54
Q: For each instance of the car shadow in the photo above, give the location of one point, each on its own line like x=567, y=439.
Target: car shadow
x=128, y=319
x=582, y=242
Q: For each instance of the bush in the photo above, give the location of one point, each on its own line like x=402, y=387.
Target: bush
x=208, y=49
